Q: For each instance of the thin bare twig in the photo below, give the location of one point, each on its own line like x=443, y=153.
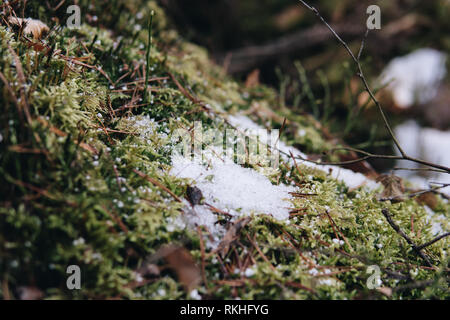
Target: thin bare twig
x=363, y=43
x=417, y=285
x=157, y=183
x=248, y=57
x=416, y=194
x=429, y=243
x=360, y=73
x=419, y=169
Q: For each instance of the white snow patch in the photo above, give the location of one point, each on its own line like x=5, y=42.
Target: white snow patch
x=428, y=144
x=243, y=122
x=327, y=282
x=249, y=272
x=350, y=178
x=230, y=188
x=313, y=272
x=195, y=295
x=234, y=189
x=415, y=77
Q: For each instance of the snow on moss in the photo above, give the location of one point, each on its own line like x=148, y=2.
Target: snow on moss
x=235, y=189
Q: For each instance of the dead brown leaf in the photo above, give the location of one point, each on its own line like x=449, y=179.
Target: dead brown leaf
x=231, y=235
x=393, y=187
x=180, y=260
x=428, y=199
x=362, y=166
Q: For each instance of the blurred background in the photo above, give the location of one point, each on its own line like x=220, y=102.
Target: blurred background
x=284, y=45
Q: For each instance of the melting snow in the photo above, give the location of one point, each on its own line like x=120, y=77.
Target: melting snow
x=415, y=77
x=428, y=144
x=231, y=188
x=431, y=145
x=234, y=189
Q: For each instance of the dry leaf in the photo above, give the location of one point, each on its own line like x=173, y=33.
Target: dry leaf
x=362, y=166
x=231, y=236
x=393, y=187
x=31, y=26
x=429, y=199
x=181, y=261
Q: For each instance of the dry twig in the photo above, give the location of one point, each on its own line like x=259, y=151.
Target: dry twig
x=360, y=73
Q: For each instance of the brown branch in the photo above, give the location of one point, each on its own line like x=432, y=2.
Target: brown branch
x=248, y=57
x=116, y=219
x=419, y=169
x=416, y=285
x=340, y=232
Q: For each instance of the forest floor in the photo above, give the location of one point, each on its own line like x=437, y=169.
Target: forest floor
x=92, y=119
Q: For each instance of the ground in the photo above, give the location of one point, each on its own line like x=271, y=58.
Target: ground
x=89, y=178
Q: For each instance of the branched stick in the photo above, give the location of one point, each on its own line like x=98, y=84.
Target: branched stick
x=408, y=239
x=360, y=73
x=429, y=243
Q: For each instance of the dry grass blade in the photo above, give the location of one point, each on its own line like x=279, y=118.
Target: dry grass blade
x=202, y=250
x=157, y=183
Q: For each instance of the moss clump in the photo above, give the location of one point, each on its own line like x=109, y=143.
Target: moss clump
x=84, y=177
